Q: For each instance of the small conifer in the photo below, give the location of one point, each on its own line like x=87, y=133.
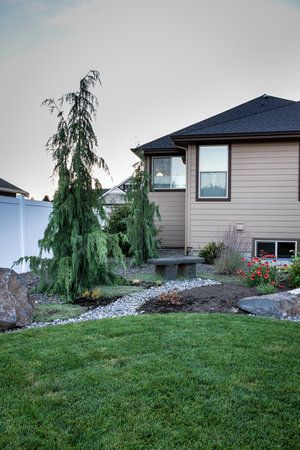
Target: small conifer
x=141, y=227
x=74, y=239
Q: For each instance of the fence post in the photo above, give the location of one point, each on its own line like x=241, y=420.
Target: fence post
x=22, y=239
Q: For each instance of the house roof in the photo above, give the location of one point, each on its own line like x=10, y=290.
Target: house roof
x=114, y=189
x=5, y=186
x=262, y=115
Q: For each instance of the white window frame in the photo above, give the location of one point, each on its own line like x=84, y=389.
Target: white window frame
x=276, y=241
x=152, y=173
x=202, y=197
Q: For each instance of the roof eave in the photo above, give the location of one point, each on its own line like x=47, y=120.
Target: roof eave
x=151, y=150
x=14, y=191
x=184, y=140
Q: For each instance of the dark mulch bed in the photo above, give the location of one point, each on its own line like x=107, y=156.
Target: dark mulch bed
x=94, y=303
x=216, y=298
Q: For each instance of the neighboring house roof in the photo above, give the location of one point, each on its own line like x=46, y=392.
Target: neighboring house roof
x=7, y=187
x=106, y=191
x=113, y=190
x=124, y=181
x=262, y=115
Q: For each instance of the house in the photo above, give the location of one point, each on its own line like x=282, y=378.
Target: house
x=10, y=190
x=116, y=195
x=237, y=169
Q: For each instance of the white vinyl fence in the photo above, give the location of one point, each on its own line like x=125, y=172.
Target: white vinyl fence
x=22, y=224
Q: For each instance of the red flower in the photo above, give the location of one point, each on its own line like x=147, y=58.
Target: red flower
x=266, y=276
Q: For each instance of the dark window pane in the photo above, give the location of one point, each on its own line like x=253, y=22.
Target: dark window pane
x=213, y=184
x=285, y=249
x=263, y=248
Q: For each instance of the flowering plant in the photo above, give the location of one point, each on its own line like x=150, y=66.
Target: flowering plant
x=261, y=271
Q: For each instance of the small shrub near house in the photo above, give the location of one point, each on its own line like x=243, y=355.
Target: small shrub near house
x=234, y=245
x=229, y=262
x=211, y=252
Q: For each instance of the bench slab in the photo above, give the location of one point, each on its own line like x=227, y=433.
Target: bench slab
x=176, y=261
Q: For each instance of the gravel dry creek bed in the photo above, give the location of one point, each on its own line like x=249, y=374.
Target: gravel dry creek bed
x=129, y=304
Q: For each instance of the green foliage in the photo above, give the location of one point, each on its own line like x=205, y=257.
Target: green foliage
x=47, y=312
x=93, y=294
x=118, y=291
x=264, y=274
x=228, y=262
x=294, y=271
x=140, y=223
x=74, y=237
x=266, y=289
x=116, y=225
x=211, y=252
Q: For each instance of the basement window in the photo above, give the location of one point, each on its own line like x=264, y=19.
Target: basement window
x=280, y=249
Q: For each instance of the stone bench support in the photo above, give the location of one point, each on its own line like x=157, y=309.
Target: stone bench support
x=171, y=267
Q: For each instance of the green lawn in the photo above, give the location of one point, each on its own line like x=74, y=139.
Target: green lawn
x=181, y=381
x=118, y=290
x=47, y=312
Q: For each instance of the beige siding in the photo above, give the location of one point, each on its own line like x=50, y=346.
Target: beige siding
x=264, y=195
x=172, y=210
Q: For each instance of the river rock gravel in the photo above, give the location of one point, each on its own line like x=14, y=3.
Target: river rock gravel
x=128, y=305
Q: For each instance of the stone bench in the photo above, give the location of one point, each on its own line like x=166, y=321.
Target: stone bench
x=184, y=266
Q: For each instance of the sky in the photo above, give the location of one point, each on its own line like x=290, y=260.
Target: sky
x=164, y=65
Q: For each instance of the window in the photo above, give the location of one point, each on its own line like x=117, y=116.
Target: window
x=213, y=179
x=280, y=249
x=168, y=172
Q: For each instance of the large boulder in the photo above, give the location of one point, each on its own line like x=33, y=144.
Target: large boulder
x=281, y=304
x=15, y=307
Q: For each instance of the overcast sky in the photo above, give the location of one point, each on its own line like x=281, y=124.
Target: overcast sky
x=164, y=64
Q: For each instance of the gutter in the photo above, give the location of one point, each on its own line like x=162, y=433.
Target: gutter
x=14, y=191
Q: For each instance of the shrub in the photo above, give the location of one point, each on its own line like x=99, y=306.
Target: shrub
x=260, y=272
x=229, y=262
x=171, y=298
x=211, y=252
x=235, y=243
x=116, y=225
x=293, y=271
x=266, y=289
x=282, y=276
x=92, y=294
x=234, y=239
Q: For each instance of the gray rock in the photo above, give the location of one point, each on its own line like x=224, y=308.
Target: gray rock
x=280, y=305
x=15, y=308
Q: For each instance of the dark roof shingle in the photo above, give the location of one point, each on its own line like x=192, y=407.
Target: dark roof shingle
x=264, y=114
x=6, y=186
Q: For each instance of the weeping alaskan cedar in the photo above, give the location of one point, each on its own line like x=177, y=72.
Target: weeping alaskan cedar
x=74, y=236
x=141, y=228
